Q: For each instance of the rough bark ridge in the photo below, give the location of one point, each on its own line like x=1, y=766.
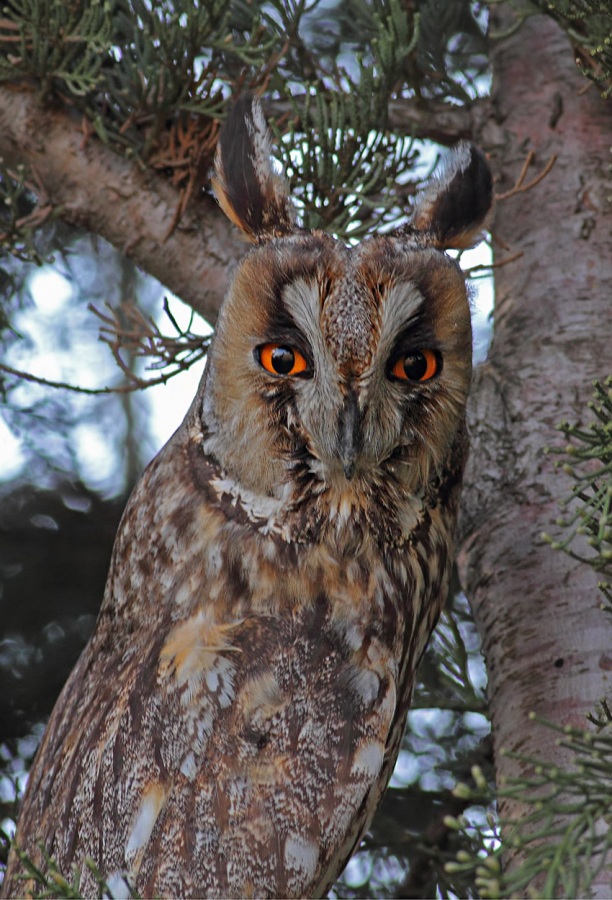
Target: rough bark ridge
x=545, y=637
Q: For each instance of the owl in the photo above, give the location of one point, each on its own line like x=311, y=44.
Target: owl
x=234, y=720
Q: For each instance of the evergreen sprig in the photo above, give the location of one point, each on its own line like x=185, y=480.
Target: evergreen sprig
x=564, y=838
x=587, y=459
x=63, y=43
x=343, y=179
x=452, y=52
x=132, y=66
x=338, y=152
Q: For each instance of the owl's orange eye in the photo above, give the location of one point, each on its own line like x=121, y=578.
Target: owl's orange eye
x=419, y=366
x=282, y=360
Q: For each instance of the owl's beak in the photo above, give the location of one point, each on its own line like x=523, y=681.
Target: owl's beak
x=348, y=465
x=349, y=427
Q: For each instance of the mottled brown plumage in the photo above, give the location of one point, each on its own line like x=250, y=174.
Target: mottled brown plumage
x=232, y=724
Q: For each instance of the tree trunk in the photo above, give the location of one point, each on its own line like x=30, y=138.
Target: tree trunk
x=545, y=639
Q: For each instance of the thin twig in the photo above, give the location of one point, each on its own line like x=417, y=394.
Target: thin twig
x=137, y=384
x=519, y=187
x=496, y=265
x=128, y=329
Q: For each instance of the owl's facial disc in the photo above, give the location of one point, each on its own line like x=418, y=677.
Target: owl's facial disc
x=356, y=364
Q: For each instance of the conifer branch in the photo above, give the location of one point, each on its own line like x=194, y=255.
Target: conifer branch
x=435, y=121
x=89, y=185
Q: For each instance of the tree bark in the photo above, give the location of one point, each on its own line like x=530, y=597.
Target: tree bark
x=89, y=185
x=545, y=639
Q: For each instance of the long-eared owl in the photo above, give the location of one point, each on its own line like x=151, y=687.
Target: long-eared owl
x=232, y=724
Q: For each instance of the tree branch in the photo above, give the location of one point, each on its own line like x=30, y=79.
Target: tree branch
x=90, y=186
x=434, y=121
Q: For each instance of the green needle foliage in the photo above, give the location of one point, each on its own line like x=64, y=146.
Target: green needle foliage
x=565, y=837
x=133, y=67
x=587, y=458
x=56, y=43
x=363, y=172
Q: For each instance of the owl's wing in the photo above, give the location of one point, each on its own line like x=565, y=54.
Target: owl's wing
x=239, y=769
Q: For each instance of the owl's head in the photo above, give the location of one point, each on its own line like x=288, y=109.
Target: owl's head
x=339, y=365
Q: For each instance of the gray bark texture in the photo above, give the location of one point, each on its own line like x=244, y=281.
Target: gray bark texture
x=545, y=639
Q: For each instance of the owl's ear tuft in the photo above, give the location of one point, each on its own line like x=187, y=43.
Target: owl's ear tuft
x=454, y=208
x=250, y=193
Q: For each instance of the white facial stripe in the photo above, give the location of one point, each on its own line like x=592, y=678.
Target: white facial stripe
x=401, y=304
x=302, y=301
